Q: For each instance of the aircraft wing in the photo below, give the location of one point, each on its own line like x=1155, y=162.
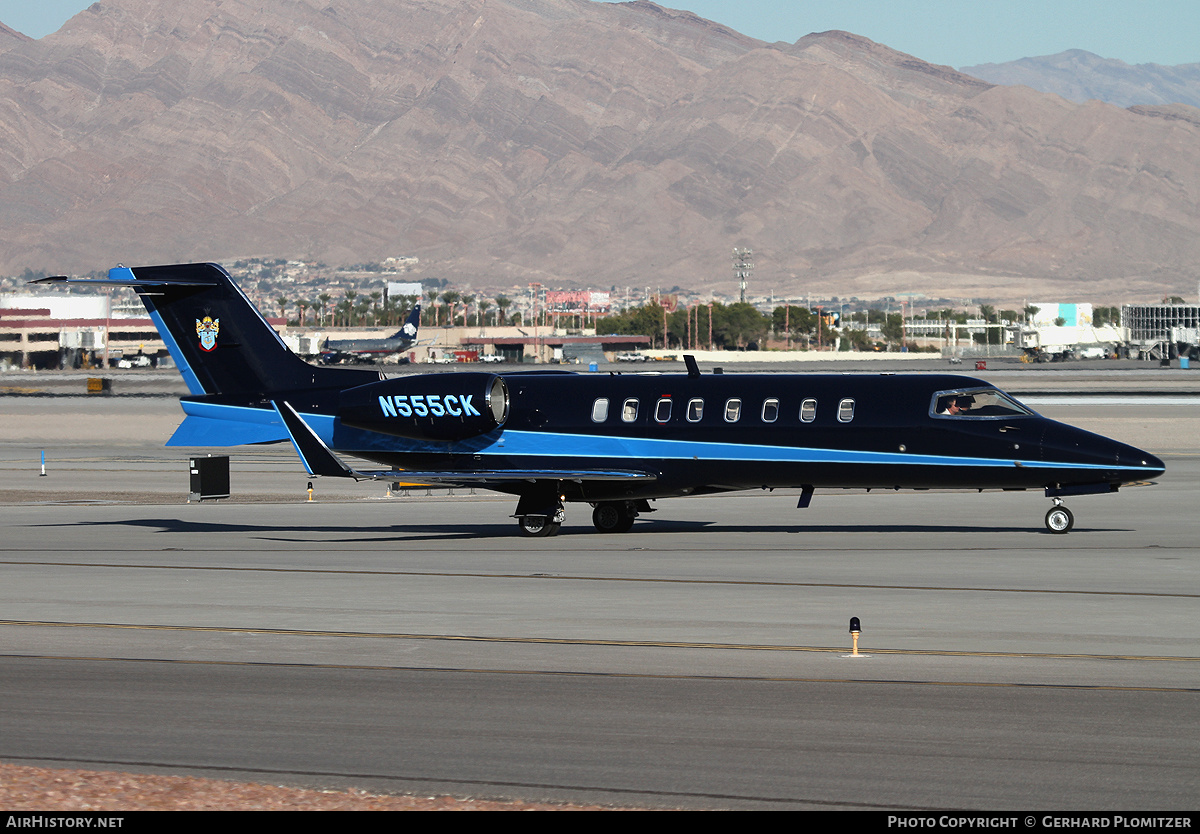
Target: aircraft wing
x=506, y=476
x=319, y=459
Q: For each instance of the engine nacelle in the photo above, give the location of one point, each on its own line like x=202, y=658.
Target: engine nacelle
x=447, y=406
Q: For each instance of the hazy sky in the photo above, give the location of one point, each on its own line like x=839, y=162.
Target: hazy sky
x=955, y=32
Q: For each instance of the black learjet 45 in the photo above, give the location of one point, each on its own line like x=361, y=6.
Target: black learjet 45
x=614, y=441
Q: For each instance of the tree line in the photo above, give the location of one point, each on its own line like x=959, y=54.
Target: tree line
x=741, y=326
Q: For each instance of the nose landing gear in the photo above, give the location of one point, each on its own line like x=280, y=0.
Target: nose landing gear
x=1059, y=519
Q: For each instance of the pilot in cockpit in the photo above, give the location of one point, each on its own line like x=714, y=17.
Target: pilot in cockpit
x=954, y=405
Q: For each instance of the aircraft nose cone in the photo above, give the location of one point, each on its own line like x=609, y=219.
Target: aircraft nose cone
x=1105, y=458
x=1153, y=465
x=1129, y=457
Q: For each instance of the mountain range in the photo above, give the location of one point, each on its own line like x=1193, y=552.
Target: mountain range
x=1080, y=76
x=575, y=144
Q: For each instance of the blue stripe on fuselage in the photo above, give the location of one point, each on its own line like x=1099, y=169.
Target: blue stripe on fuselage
x=553, y=444
x=535, y=444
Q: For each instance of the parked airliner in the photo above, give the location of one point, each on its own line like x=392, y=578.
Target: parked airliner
x=338, y=351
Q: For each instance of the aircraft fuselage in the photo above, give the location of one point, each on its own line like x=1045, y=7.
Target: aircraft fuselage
x=711, y=433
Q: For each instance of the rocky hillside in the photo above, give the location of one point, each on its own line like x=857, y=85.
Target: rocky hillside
x=575, y=143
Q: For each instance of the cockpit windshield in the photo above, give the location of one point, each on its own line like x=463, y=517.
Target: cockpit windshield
x=976, y=402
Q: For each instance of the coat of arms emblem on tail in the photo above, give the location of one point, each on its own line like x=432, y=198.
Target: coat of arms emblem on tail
x=207, y=330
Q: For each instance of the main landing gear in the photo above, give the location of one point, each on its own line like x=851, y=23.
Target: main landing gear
x=540, y=513
x=1059, y=519
x=613, y=516
x=540, y=517
x=540, y=525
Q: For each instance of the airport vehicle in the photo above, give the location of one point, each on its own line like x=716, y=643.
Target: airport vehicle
x=616, y=441
x=139, y=361
x=341, y=351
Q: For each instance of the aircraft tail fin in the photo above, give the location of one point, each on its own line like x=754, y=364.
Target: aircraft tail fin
x=409, y=329
x=218, y=339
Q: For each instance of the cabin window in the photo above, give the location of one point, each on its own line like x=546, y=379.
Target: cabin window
x=770, y=410
x=629, y=410
x=808, y=411
x=600, y=410
x=662, y=411
x=695, y=410
x=733, y=410
x=846, y=411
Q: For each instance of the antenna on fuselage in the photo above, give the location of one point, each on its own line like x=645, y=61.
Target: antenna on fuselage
x=692, y=368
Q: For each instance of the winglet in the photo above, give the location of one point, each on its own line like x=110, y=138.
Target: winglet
x=314, y=454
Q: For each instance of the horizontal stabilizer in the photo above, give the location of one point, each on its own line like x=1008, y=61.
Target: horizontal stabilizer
x=209, y=431
x=122, y=276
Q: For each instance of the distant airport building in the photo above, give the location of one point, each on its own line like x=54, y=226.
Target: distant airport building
x=36, y=338
x=557, y=348
x=578, y=303
x=1072, y=315
x=397, y=289
x=1066, y=331
x=58, y=306
x=75, y=331
x=1162, y=331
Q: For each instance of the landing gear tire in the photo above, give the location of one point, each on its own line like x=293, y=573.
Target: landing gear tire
x=613, y=517
x=1059, y=520
x=537, y=525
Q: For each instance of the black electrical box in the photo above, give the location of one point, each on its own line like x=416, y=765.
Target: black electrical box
x=209, y=478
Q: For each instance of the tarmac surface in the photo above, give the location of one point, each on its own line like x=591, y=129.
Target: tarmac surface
x=416, y=643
